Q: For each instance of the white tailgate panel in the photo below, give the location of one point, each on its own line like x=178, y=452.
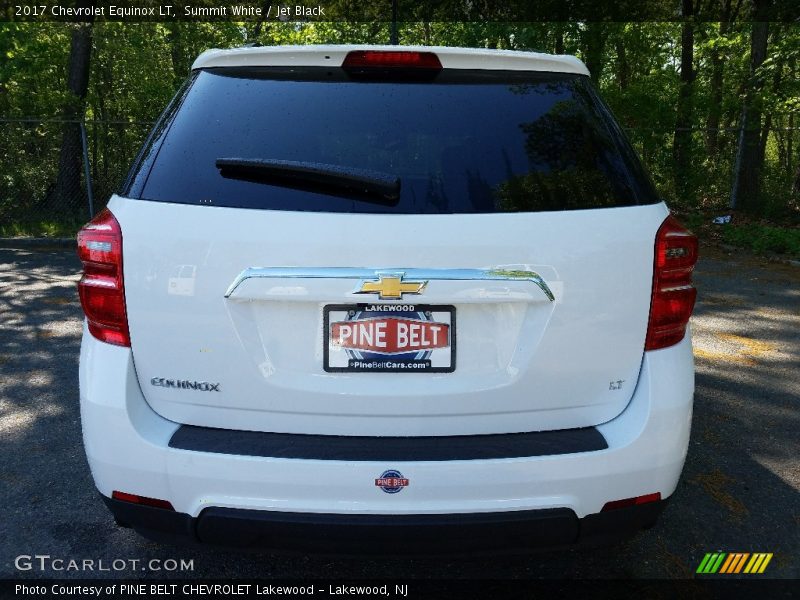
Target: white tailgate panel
x=523, y=363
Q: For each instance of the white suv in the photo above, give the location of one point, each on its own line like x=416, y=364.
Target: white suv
x=376, y=298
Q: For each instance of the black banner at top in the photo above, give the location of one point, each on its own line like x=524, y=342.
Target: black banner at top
x=406, y=10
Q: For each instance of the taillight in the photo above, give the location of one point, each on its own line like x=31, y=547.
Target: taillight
x=101, y=288
x=404, y=59
x=673, y=294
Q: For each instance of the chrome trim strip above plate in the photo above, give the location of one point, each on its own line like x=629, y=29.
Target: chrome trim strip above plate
x=497, y=274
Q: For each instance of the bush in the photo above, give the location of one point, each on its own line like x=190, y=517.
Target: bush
x=764, y=238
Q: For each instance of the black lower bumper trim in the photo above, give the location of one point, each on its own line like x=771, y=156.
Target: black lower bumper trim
x=400, y=534
x=473, y=533
x=374, y=448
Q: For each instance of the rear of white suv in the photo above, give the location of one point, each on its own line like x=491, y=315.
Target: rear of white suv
x=370, y=298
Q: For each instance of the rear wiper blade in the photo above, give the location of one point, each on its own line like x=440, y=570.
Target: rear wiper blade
x=315, y=177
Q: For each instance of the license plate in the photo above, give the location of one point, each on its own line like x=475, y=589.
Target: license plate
x=389, y=338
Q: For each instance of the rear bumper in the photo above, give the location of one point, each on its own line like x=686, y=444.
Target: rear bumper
x=473, y=533
x=127, y=446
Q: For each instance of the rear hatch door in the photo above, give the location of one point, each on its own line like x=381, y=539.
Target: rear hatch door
x=506, y=288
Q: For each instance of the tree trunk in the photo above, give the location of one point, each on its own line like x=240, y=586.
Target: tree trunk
x=559, y=49
x=715, y=84
x=789, y=139
x=682, y=139
x=746, y=191
x=68, y=196
x=790, y=131
x=594, y=44
x=260, y=24
x=181, y=52
x=796, y=184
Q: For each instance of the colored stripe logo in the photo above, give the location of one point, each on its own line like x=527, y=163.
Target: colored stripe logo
x=734, y=562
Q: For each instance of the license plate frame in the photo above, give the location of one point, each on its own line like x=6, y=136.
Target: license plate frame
x=389, y=362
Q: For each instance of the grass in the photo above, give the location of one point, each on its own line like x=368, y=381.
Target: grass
x=51, y=229
x=759, y=235
x=764, y=239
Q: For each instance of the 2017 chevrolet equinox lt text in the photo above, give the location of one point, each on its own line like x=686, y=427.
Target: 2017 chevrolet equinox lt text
x=365, y=298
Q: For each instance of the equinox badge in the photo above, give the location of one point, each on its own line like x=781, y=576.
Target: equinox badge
x=185, y=384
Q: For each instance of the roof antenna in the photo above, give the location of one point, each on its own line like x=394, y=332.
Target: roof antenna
x=393, y=38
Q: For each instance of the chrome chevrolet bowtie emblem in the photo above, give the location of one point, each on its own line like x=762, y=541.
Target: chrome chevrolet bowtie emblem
x=390, y=286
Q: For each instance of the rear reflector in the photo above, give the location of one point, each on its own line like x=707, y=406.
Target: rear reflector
x=358, y=59
x=141, y=500
x=101, y=288
x=646, y=499
x=673, y=295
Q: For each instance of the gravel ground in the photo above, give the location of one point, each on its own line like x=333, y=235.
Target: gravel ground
x=739, y=490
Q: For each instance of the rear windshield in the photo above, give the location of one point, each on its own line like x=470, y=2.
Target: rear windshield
x=462, y=142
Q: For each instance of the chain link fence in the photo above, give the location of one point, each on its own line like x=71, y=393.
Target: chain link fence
x=55, y=174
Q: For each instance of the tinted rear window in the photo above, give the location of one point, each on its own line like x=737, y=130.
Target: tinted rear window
x=465, y=142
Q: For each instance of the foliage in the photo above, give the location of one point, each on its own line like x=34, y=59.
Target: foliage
x=51, y=229
x=764, y=239
x=136, y=68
